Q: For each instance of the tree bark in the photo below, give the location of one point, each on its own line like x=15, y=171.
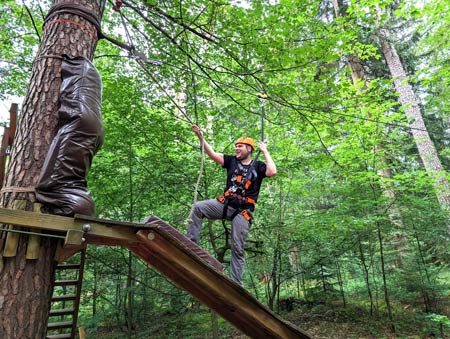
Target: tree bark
x=410, y=102
x=26, y=284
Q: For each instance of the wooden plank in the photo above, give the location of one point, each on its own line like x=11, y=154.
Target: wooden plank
x=122, y=231
x=3, y=148
x=34, y=240
x=211, y=287
x=35, y=220
x=82, y=333
x=74, y=237
x=12, y=239
x=65, y=251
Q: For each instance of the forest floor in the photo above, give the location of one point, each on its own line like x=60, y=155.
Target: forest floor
x=353, y=322
x=320, y=321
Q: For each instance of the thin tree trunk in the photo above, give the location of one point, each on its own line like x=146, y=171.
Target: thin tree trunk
x=26, y=284
x=340, y=282
x=294, y=261
x=302, y=276
x=429, y=297
x=366, y=274
x=129, y=304
x=272, y=284
x=385, y=287
x=214, y=325
x=95, y=291
x=129, y=290
x=118, y=310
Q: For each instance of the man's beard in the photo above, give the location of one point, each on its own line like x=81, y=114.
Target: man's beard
x=244, y=155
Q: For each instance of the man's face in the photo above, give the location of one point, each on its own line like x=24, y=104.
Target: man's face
x=243, y=151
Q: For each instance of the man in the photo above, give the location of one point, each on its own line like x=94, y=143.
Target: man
x=244, y=177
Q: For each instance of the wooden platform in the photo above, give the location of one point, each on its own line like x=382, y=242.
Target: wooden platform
x=173, y=255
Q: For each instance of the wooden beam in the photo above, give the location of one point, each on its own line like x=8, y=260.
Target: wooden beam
x=12, y=122
x=107, y=229
x=12, y=239
x=34, y=240
x=64, y=252
x=7, y=139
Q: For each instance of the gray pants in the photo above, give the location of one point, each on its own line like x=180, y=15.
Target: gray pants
x=213, y=209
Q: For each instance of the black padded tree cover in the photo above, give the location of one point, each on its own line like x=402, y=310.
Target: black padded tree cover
x=62, y=186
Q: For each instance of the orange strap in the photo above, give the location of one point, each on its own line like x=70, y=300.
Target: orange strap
x=228, y=194
x=246, y=215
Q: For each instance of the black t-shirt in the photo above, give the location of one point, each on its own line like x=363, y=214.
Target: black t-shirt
x=233, y=169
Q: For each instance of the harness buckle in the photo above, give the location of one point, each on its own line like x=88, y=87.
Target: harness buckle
x=247, y=184
x=246, y=215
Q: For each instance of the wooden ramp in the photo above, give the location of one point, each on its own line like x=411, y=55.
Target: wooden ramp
x=174, y=259
x=173, y=255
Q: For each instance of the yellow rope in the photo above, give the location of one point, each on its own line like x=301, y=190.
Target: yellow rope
x=197, y=184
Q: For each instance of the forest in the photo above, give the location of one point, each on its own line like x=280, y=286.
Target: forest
x=351, y=238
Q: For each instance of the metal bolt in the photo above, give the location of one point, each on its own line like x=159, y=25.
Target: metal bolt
x=150, y=236
x=86, y=227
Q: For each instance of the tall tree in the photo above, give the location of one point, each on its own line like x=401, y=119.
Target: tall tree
x=412, y=109
x=71, y=29
x=383, y=166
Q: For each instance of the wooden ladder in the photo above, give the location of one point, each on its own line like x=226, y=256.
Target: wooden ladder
x=68, y=279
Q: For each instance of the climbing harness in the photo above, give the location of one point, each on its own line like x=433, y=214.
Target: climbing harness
x=236, y=195
x=242, y=179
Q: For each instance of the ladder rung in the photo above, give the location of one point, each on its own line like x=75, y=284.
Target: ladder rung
x=68, y=267
x=61, y=311
x=66, y=282
x=59, y=325
x=59, y=336
x=64, y=297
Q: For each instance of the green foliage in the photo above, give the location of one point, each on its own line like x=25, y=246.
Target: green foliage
x=329, y=225
x=19, y=40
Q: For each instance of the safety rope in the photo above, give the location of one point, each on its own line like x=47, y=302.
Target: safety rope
x=262, y=99
x=17, y=189
x=197, y=184
x=86, y=13
x=74, y=9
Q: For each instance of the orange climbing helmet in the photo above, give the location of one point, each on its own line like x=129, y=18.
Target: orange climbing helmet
x=246, y=141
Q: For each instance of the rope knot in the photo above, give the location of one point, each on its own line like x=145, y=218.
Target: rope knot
x=118, y=5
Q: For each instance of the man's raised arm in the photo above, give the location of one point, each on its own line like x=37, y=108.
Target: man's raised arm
x=217, y=157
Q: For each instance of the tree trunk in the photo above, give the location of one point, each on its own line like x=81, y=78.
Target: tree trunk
x=409, y=101
x=129, y=296
x=366, y=274
x=340, y=281
x=272, y=283
x=384, y=276
x=26, y=284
